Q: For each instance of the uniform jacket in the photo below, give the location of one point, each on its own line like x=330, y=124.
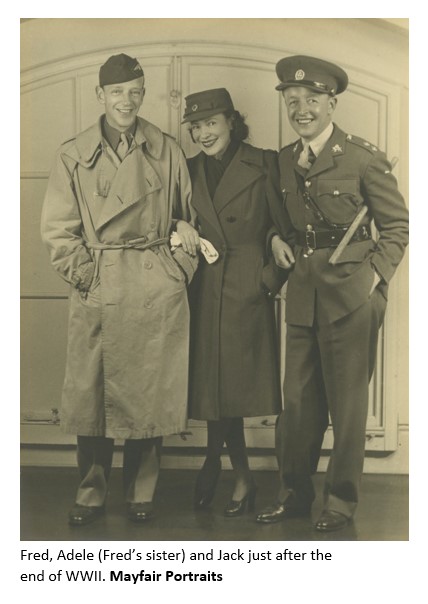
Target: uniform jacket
x=347, y=174
x=234, y=365
x=127, y=361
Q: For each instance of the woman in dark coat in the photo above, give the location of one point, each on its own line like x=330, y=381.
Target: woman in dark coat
x=234, y=356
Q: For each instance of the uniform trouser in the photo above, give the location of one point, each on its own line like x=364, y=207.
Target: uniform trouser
x=328, y=369
x=141, y=462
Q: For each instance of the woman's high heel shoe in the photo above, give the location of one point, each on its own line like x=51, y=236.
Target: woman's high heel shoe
x=237, y=508
x=206, y=484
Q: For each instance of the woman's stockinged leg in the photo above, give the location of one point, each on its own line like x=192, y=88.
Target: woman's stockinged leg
x=206, y=481
x=236, y=446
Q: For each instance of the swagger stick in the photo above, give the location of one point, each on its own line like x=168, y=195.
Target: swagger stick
x=353, y=227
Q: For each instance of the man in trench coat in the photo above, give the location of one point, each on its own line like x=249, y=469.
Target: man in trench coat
x=115, y=193
x=330, y=180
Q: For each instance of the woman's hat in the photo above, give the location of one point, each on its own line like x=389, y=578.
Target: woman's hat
x=201, y=105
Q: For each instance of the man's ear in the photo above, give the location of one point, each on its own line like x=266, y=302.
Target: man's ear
x=99, y=91
x=332, y=102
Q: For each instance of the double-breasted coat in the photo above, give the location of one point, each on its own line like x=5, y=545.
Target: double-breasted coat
x=106, y=225
x=234, y=354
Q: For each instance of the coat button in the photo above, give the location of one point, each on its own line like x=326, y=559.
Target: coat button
x=231, y=219
x=148, y=303
x=148, y=265
x=307, y=183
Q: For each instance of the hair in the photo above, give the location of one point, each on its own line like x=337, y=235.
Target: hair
x=240, y=129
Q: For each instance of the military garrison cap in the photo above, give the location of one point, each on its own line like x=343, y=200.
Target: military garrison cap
x=201, y=105
x=120, y=68
x=316, y=74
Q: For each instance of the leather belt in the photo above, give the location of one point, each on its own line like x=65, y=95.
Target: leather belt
x=140, y=243
x=314, y=240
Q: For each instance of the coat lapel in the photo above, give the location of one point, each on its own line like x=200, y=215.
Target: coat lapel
x=245, y=168
x=135, y=179
x=201, y=199
x=326, y=159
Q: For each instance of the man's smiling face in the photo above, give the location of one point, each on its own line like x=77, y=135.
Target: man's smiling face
x=122, y=102
x=309, y=112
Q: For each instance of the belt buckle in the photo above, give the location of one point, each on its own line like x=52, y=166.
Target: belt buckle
x=311, y=243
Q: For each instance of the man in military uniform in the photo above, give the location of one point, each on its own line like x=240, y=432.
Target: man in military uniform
x=330, y=181
x=115, y=192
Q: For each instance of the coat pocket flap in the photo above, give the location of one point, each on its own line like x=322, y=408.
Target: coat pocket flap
x=337, y=187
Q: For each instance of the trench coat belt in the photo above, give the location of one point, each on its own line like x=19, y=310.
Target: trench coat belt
x=140, y=243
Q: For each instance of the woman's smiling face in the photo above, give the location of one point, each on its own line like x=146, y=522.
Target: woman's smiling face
x=212, y=134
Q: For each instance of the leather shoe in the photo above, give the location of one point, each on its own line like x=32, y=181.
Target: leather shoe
x=331, y=521
x=280, y=511
x=84, y=514
x=237, y=508
x=140, y=512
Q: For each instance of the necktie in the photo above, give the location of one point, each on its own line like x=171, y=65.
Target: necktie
x=122, y=148
x=307, y=157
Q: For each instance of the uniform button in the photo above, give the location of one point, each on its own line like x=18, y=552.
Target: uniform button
x=283, y=190
x=148, y=303
x=336, y=192
x=148, y=265
x=309, y=227
x=307, y=183
x=231, y=219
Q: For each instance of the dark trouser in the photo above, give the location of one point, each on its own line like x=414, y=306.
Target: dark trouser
x=141, y=462
x=328, y=369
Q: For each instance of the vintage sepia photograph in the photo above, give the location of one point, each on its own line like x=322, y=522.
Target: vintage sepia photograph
x=214, y=280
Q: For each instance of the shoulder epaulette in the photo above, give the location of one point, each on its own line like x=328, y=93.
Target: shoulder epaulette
x=361, y=142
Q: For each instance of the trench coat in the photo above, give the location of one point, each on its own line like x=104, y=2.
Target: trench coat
x=348, y=174
x=234, y=351
x=128, y=335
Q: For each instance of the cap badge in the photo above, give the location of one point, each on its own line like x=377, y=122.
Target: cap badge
x=194, y=107
x=138, y=67
x=299, y=75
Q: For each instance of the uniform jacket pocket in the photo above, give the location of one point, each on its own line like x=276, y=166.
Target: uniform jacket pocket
x=339, y=201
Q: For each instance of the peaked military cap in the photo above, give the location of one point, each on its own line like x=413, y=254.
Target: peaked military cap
x=118, y=69
x=201, y=105
x=316, y=74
